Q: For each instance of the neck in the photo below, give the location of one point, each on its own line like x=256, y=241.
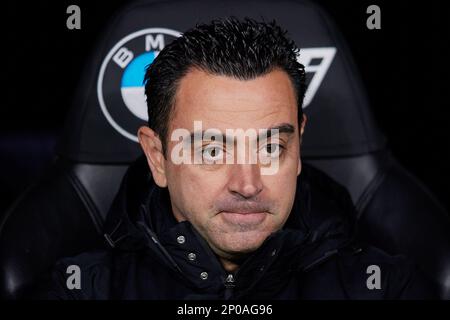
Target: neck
x=228, y=265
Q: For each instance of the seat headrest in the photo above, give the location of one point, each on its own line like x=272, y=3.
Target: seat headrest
x=109, y=104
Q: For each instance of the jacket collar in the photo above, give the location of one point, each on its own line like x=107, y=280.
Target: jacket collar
x=140, y=217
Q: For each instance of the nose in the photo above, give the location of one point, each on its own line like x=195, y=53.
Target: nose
x=245, y=180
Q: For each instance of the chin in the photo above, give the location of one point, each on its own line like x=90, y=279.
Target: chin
x=243, y=242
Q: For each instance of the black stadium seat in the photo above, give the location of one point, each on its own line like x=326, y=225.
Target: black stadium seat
x=62, y=214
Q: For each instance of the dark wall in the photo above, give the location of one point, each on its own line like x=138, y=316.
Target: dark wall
x=404, y=66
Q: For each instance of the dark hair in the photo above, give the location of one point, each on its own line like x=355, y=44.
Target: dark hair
x=243, y=49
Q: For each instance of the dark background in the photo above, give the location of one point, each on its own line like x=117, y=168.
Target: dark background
x=404, y=65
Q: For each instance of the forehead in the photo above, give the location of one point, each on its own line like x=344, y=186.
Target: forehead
x=225, y=102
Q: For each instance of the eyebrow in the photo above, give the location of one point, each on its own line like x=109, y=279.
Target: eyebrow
x=266, y=133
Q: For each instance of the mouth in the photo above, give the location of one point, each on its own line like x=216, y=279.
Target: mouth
x=244, y=218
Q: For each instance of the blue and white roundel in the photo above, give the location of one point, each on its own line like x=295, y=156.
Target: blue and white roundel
x=132, y=86
x=120, y=87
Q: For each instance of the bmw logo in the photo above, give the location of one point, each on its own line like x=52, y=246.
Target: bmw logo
x=120, y=87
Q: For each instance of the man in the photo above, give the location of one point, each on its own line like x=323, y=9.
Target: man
x=228, y=211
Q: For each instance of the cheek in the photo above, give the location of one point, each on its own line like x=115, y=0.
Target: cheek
x=282, y=186
x=195, y=190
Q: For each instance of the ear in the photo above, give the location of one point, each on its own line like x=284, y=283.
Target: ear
x=302, y=129
x=302, y=126
x=299, y=166
x=152, y=147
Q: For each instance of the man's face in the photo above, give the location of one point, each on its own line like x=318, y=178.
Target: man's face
x=232, y=205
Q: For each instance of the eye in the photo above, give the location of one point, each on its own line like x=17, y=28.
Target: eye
x=271, y=150
x=212, y=153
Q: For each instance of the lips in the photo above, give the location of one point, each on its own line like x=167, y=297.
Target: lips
x=243, y=218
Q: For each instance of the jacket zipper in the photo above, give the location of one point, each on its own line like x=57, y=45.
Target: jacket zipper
x=229, y=286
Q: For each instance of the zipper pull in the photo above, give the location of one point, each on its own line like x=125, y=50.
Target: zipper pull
x=229, y=281
x=229, y=285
